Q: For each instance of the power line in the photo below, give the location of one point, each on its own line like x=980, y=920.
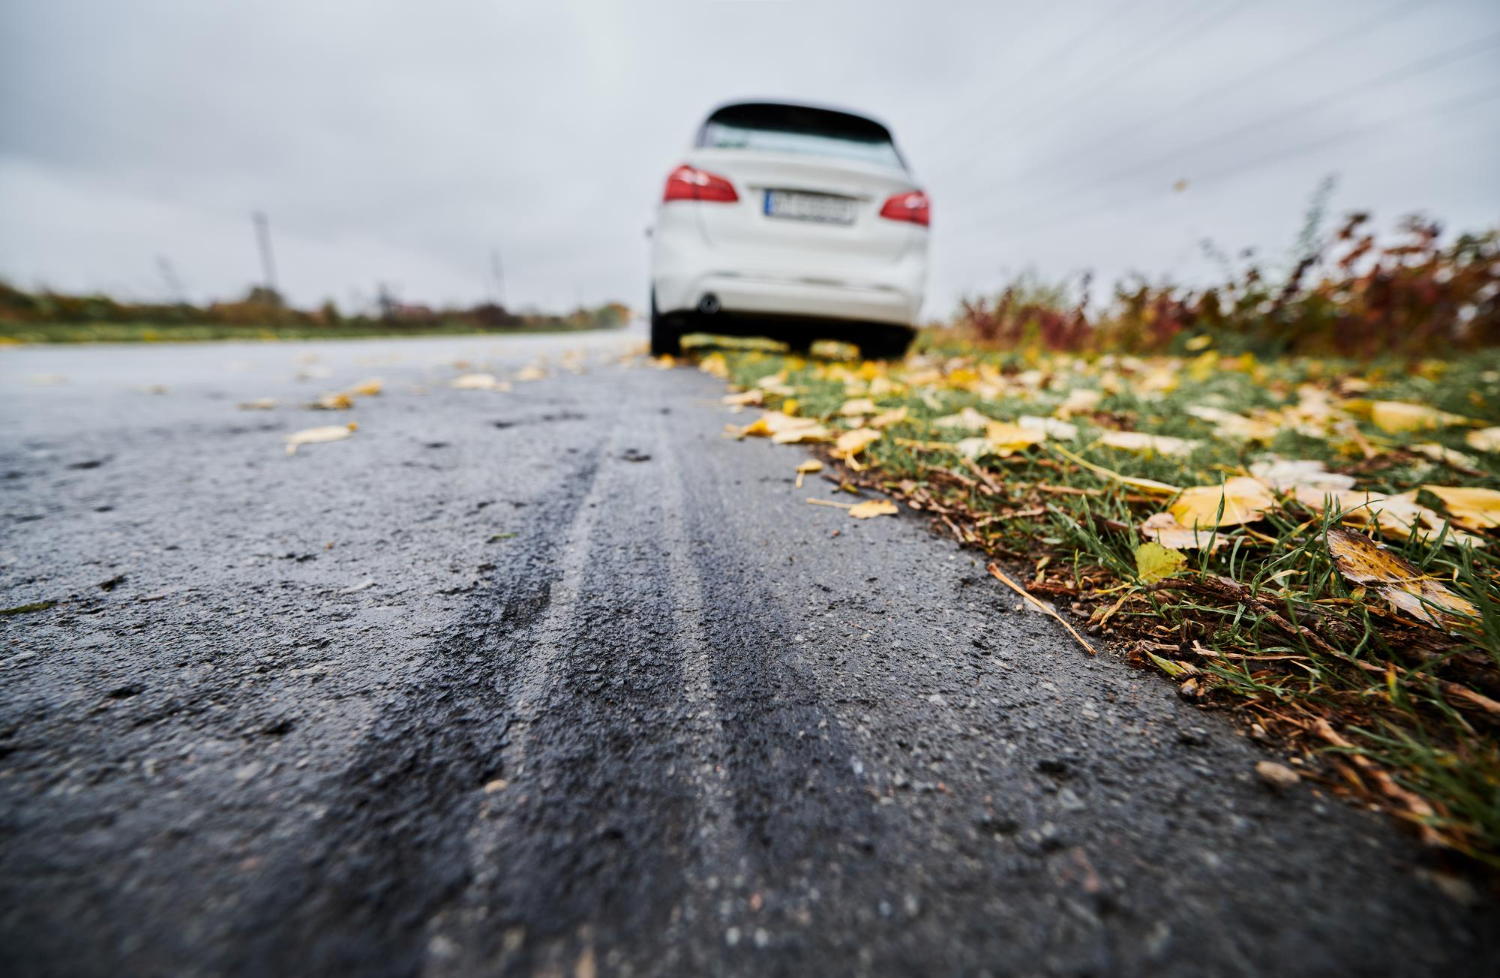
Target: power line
x=1342, y=36
x=1427, y=111
x=1193, y=30
x=1077, y=40
x=1418, y=67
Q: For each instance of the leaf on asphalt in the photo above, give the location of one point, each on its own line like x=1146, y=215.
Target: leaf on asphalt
x=333, y=402
x=1288, y=475
x=873, y=507
x=313, y=436
x=1165, y=530
x=966, y=420
x=715, y=364
x=857, y=406
x=1144, y=444
x=259, y=404
x=806, y=468
x=1154, y=562
x=478, y=382
x=1363, y=561
x=773, y=424
x=1485, y=439
x=1051, y=427
x=752, y=397
x=1471, y=508
x=1243, y=500
x=807, y=433
x=366, y=388
x=1397, y=417
x=531, y=373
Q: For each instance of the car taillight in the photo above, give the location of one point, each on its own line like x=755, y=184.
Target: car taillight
x=690, y=183
x=912, y=206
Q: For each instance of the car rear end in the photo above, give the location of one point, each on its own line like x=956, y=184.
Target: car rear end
x=795, y=221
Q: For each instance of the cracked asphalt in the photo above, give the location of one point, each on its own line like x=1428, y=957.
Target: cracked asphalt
x=561, y=681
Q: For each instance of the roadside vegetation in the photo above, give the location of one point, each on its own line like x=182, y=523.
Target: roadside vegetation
x=49, y=317
x=1283, y=496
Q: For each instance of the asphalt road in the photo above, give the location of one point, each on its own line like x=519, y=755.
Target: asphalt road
x=561, y=681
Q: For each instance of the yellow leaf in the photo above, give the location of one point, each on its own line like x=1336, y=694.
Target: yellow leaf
x=478, y=382
x=753, y=396
x=1165, y=530
x=313, y=436
x=531, y=373
x=1446, y=455
x=1399, y=416
x=715, y=364
x=1134, y=441
x=1485, y=439
x=888, y=418
x=333, y=402
x=1474, y=509
x=807, y=433
x=1363, y=561
x=1289, y=475
x=811, y=465
x=1153, y=562
x=966, y=420
x=851, y=443
x=1079, y=401
x=789, y=407
x=873, y=507
x=1166, y=665
x=366, y=388
x=1052, y=427
x=1244, y=500
x=1004, y=438
x=857, y=406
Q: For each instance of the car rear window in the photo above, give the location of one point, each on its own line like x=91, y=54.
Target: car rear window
x=774, y=128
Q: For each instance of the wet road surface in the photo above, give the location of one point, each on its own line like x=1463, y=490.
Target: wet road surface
x=561, y=681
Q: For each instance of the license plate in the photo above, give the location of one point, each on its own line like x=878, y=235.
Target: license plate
x=797, y=206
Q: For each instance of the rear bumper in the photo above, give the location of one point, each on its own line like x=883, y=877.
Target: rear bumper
x=685, y=269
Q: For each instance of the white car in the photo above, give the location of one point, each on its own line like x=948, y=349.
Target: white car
x=790, y=221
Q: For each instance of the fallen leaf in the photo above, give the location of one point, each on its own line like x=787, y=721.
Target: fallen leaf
x=1288, y=475
x=313, y=436
x=1471, y=508
x=1399, y=416
x=259, y=404
x=1446, y=455
x=1135, y=441
x=478, y=382
x=1154, y=562
x=1004, y=438
x=857, y=406
x=1080, y=400
x=366, y=388
x=966, y=420
x=1363, y=561
x=1244, y=500
x=810, y=466
x=1485, y=439
x=751, y=397
x=887, y=418
x=333, y=402
x=873, y=507
x=851, y=443
x=1165, y=530
x=531, y=373
x=1227, y=424
x=1051, y=427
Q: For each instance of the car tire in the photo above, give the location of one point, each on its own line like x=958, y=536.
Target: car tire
x=886, y=342
x=666, y=336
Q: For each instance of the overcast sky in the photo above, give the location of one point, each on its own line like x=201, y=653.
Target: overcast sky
x=402, y=142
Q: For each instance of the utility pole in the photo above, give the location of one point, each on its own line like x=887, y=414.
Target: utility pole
x=263, y=239
x=498, y=274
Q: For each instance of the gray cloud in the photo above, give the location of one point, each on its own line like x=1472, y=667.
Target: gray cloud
x=400, y=143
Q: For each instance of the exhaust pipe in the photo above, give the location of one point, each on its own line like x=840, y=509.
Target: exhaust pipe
x=709, y=304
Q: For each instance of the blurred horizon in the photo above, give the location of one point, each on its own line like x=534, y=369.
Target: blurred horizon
x=409, y=148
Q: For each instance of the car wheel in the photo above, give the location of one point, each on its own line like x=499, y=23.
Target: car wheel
x=666, y=336
x=886, y=343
